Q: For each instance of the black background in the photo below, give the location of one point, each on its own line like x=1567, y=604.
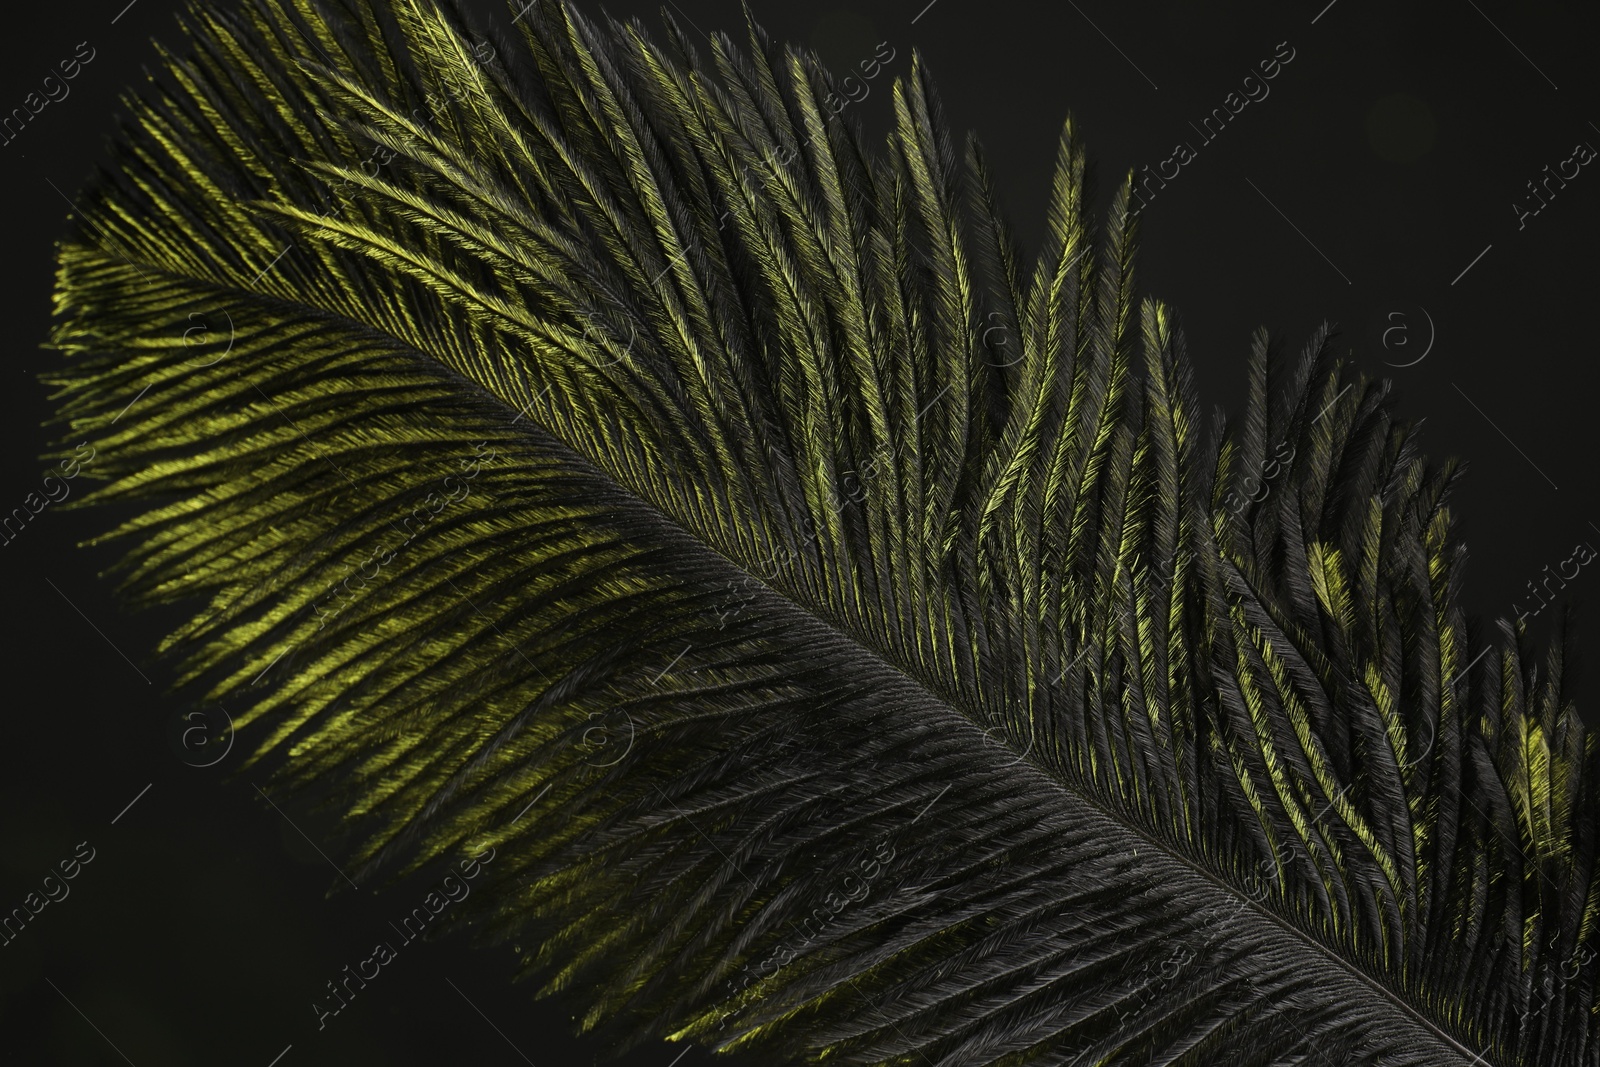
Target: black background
x=1387, y=156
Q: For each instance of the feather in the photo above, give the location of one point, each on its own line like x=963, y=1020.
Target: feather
x=610, y=460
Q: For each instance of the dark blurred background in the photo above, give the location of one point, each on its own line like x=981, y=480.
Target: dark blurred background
x=1380, y=186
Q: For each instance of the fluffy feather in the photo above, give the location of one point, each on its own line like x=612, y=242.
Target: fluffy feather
x=830, y=679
